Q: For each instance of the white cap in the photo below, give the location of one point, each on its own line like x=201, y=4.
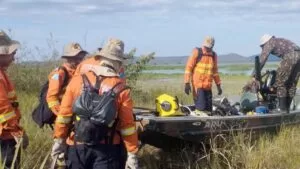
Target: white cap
x=209, y=42
x=265, y=38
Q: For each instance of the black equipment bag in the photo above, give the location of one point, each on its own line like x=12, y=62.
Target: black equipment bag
x=95, y=114
x=42, y=114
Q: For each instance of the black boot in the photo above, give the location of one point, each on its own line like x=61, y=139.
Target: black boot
x=283, y=105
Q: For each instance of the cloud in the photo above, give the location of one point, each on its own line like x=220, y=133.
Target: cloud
x=226, y=9
x=250, y=9
x=3, y=9
x=92, y=7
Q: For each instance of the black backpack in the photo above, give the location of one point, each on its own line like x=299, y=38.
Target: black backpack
x=96, y=114
x=42, y=114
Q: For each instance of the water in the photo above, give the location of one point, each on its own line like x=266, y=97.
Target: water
x=181, y=71
x=224, y=70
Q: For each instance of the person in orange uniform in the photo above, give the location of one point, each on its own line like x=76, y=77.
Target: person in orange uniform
x=11, y=133
x=201, y=69
x=73, y=55
x=88, y=64
x=102, y=155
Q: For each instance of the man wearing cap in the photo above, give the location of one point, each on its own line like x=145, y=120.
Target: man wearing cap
x=11, y=133
x=201, y=69
x=73, y=54
x=103, y=155
x=288, y=71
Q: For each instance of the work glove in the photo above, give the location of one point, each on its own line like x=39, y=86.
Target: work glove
x=58, y=148
x=219, y=89
x=132, y=161
x=187, y=88
x=22, y=141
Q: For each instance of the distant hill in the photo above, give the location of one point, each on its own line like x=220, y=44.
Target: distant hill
x=179, y=60
x=271, y=58
x=227, y=58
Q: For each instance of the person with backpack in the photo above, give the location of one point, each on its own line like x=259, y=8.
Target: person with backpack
x=96, y=117
x=12, y=135
x=201, y=69
x=58, y=79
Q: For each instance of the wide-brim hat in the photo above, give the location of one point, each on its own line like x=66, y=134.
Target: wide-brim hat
x=7, y=45
x=71, y=50
x=113, y=49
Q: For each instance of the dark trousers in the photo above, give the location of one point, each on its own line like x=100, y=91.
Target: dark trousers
x=203, y=100
x=103, y=156
x=288, y=74
x=8, y=153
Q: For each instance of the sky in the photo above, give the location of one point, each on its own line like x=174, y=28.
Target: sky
x=166, y=27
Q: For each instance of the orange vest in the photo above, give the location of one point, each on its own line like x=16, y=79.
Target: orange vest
x=9, y=114
x=202, y=71
x=124, y=104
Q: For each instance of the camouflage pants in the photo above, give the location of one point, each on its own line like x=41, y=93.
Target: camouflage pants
x=288, y=74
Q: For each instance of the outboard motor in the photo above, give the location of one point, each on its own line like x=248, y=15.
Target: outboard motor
x=269, y=81
x=269, y=95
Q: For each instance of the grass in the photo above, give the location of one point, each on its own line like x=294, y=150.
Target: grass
x=237, y=152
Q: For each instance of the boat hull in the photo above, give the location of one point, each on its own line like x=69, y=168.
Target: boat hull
x=165, y=130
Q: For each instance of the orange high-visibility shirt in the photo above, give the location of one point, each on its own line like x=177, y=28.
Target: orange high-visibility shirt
x=9, y=116
x=55, y=89
x=201, y=73
x=124, y=104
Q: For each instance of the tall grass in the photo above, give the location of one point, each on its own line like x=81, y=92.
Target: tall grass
x=236, y=152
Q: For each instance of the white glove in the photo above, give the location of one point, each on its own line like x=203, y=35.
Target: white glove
x=132, y=161
x=58, y=148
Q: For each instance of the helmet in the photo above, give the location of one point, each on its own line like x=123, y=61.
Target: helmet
x=167, y=105
x=265, y=38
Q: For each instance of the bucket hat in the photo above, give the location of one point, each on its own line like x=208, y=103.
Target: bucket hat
x=72, y=50
x=7, y=45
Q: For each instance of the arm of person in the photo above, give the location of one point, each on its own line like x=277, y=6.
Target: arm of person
x=55, y=83
x=216, y=76
x=126, y=125
x=64, y=117
x=266, y=50
x=9, y=118
x=190, y=65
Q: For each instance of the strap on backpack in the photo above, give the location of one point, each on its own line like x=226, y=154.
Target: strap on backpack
x=200, y=54
x=117, y=90
x=88, y=86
